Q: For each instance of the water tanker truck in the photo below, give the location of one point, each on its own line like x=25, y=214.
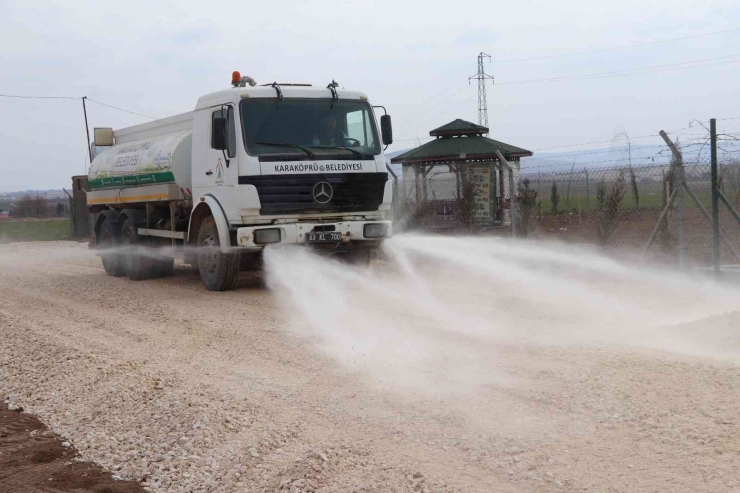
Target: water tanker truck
x=251, y=166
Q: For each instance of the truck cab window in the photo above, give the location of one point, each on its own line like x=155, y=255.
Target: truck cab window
x=357, y=129
x=324, y=127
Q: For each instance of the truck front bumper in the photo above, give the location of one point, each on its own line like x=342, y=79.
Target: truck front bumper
x=350, y=232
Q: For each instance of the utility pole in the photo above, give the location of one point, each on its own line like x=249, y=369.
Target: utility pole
x=87, y=129
x=482, y=77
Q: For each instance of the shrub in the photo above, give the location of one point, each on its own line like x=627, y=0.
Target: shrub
x=610, y=213
x=554, y=197
x=526, y=206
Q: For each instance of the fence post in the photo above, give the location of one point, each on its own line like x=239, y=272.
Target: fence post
x=683, y=251
x=715, y=197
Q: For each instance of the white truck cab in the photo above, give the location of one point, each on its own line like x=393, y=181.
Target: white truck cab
x=250, y=166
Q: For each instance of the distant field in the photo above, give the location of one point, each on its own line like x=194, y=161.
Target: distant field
x=34, y=230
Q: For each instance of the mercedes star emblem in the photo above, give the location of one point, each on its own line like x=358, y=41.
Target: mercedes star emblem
x=322, y=192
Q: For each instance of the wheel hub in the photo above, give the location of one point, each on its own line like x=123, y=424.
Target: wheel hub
x=208, y=257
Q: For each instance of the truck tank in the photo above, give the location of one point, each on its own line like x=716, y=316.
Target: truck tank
x=152, y=153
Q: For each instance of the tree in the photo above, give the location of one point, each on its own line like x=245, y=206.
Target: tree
x=610, y=213
x=554, y=197
x=601, y=194
x=25, y=207
x=60, y=209
x=40, y=208
x=526, y=205
x=31, y=206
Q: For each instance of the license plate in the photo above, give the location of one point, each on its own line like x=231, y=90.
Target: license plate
x=323, y=237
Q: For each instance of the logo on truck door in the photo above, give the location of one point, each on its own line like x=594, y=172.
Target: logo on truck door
x=219, y=173
x=322, y=192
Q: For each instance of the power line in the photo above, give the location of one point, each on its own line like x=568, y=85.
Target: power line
x=575, y=53
x=74, y=98
x=638, y=71
x=38, y=97
x=121, y=109
x=429, y=108
x=431, y=98
x=635, y=71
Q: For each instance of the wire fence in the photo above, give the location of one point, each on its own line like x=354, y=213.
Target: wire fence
x=615, y=208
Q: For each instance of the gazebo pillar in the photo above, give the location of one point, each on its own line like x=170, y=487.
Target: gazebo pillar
x=416, y=184
x=501, y=196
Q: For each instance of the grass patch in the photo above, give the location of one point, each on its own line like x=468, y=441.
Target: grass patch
x=35, y=230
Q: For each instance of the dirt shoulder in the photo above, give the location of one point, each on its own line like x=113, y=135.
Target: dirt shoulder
x=33, y=459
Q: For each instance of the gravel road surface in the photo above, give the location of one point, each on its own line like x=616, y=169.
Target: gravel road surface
x=187, y=390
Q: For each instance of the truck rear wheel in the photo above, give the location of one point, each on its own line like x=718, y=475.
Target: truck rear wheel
x=109, y=242
x=164, y=266
x=137, y=263
x=219, y=271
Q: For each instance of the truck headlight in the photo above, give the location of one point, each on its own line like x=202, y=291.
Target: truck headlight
x=376, y=230
x=265, y=236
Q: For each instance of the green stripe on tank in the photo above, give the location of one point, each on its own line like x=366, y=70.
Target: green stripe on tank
x=129, y=180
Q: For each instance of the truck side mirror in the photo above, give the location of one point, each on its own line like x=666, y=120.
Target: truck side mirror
x=218, y=134
x=386, y=129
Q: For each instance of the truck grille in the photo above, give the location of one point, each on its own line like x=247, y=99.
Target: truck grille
x=288, y=194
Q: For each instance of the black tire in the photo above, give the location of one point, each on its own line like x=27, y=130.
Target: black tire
x=137, y=263
x=164, y=266
x=112, y=262
x=359, y=257
x=219, y=271
x=191, y=258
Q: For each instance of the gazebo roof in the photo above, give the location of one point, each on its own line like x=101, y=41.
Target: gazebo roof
x=459, y=140
x=457, y=128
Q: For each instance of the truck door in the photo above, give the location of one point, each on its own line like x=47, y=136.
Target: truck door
x=221, y=165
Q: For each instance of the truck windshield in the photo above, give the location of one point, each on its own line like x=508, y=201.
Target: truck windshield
x=325, y=127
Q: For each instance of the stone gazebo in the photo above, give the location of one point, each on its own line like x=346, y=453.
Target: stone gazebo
x=452, y=182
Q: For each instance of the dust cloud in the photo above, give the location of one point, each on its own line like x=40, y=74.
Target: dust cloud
x=437, y=311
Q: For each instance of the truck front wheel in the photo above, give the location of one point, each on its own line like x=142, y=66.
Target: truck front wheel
x=108, y=244
x=358, y=257
x=219, y=271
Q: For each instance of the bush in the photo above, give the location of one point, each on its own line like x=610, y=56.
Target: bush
x=610, y=214
x=554, y=197
x=526, y=206
x=601, y=194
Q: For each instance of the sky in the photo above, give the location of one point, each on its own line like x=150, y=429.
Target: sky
x=414, y=57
